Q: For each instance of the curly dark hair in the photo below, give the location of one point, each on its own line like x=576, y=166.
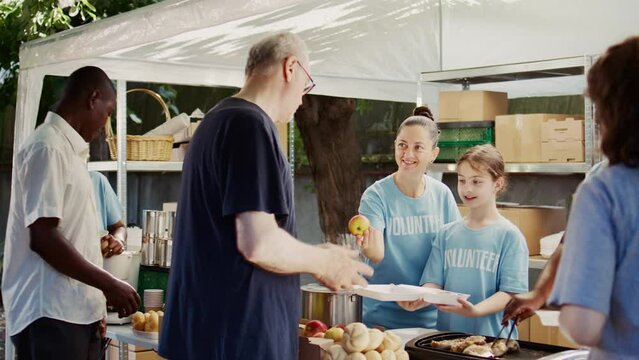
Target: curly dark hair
x=613, y=86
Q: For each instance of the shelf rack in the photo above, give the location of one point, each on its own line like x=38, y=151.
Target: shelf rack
x=573, y=66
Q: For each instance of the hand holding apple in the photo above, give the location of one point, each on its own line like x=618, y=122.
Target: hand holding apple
x=358, y=224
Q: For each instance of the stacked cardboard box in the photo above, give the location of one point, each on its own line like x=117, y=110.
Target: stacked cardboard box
x=522, y=138
x=534, y=222
x=471, y=105
x=562, y=140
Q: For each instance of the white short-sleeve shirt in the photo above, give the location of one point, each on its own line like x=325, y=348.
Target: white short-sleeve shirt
x=50, y=181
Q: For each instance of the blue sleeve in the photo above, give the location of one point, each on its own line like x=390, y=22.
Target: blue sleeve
x=434, y=270
x=111, y=204
x=372, y=206
x=452, y=210
x=588, y=261
x=513, y=270
x=251, y=167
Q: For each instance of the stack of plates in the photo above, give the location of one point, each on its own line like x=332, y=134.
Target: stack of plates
x=153, y=299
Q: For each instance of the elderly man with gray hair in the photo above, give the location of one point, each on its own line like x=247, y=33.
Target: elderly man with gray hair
x=234, y=283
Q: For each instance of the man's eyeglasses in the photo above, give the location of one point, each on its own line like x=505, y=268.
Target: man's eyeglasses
x=310, y=84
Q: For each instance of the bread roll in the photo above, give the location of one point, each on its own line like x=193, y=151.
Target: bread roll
x=355, y=337
x=138, y=321
x=375, y=338
x=391, y=342
x=356, y=356
x=388, y=355
x=373, y=355
x=401, y=355
x=153, y=322
x=336, y=352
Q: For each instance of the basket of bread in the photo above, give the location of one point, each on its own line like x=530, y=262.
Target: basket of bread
x=147, y=324
x=355, y=341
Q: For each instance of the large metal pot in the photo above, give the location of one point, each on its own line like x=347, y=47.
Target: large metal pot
x=331, y=307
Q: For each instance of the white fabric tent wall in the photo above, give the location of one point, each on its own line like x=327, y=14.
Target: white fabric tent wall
x=360, y=48
x=372, y=49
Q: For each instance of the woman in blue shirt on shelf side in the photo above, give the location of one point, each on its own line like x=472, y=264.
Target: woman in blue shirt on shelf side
x=597, y=284
x=483, y=255
x=406, y=210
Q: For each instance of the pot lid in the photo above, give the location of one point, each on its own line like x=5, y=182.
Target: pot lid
x=317, y=288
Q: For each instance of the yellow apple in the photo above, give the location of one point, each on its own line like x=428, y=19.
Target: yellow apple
x=334, y=333
x=358, y=224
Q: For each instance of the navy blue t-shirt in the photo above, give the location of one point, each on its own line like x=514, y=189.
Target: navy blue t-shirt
x=219, y=306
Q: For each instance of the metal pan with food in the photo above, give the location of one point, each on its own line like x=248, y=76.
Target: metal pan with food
x=458, y=345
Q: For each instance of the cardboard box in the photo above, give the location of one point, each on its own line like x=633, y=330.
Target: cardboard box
x=311, y=348
x=548, y=334
x=169, y=206
x=518, y=137
x=569, y=129
x=186, y=134
x=534, y=222
x=562, y=151
x=471, y=105
x=523, y=328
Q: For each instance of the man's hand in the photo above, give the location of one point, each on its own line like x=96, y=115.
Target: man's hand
x=111, y=246
x=122, y=297
x=464, y=308
x=102, y=328
x=342, y=271
x=413, y=305
x=523, y=306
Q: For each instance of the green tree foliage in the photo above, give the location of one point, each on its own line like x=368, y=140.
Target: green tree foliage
x=24, y=20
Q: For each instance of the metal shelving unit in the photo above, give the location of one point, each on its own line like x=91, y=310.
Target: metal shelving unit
x=139, y=166
x=574, y=66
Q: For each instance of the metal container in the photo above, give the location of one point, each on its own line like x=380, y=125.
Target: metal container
x=164, y=242
x=331, y=307
x=165, y=224
x=163, y=254
x=149, y=237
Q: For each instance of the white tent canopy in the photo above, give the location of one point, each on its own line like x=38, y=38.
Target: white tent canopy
x=373, y=49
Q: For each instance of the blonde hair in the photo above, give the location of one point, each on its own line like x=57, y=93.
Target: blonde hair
x=486, y=158
x=271, y=50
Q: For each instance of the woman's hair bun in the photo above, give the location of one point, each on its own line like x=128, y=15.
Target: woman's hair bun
x=423, y=110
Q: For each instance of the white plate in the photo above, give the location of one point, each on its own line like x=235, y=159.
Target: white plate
x=392, y=292
x=146, y=334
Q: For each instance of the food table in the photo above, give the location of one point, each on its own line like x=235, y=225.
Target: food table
x=125, y=336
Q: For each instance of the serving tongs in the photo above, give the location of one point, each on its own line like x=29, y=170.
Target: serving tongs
x=510, y=333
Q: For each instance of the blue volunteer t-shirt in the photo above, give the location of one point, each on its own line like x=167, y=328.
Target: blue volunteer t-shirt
x=106, y=201
x=409, y=226
x=219, y=306
x=598, y=268
x=480, y=263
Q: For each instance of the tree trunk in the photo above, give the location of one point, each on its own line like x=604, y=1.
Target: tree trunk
x=335, y=160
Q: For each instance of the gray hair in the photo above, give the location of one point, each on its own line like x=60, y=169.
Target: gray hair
x=273, y=49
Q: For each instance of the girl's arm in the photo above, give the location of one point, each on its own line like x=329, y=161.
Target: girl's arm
x=584, y=326
x=372, y=244
x=417, y=304
x=491, y=305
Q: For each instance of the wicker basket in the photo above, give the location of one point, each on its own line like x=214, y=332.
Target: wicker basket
x=139, y=147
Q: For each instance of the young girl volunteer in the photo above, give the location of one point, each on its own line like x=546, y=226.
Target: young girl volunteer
x=483, y=255
x=406, y=209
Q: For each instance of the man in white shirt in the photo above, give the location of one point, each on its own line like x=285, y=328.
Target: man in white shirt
x=53, y=283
